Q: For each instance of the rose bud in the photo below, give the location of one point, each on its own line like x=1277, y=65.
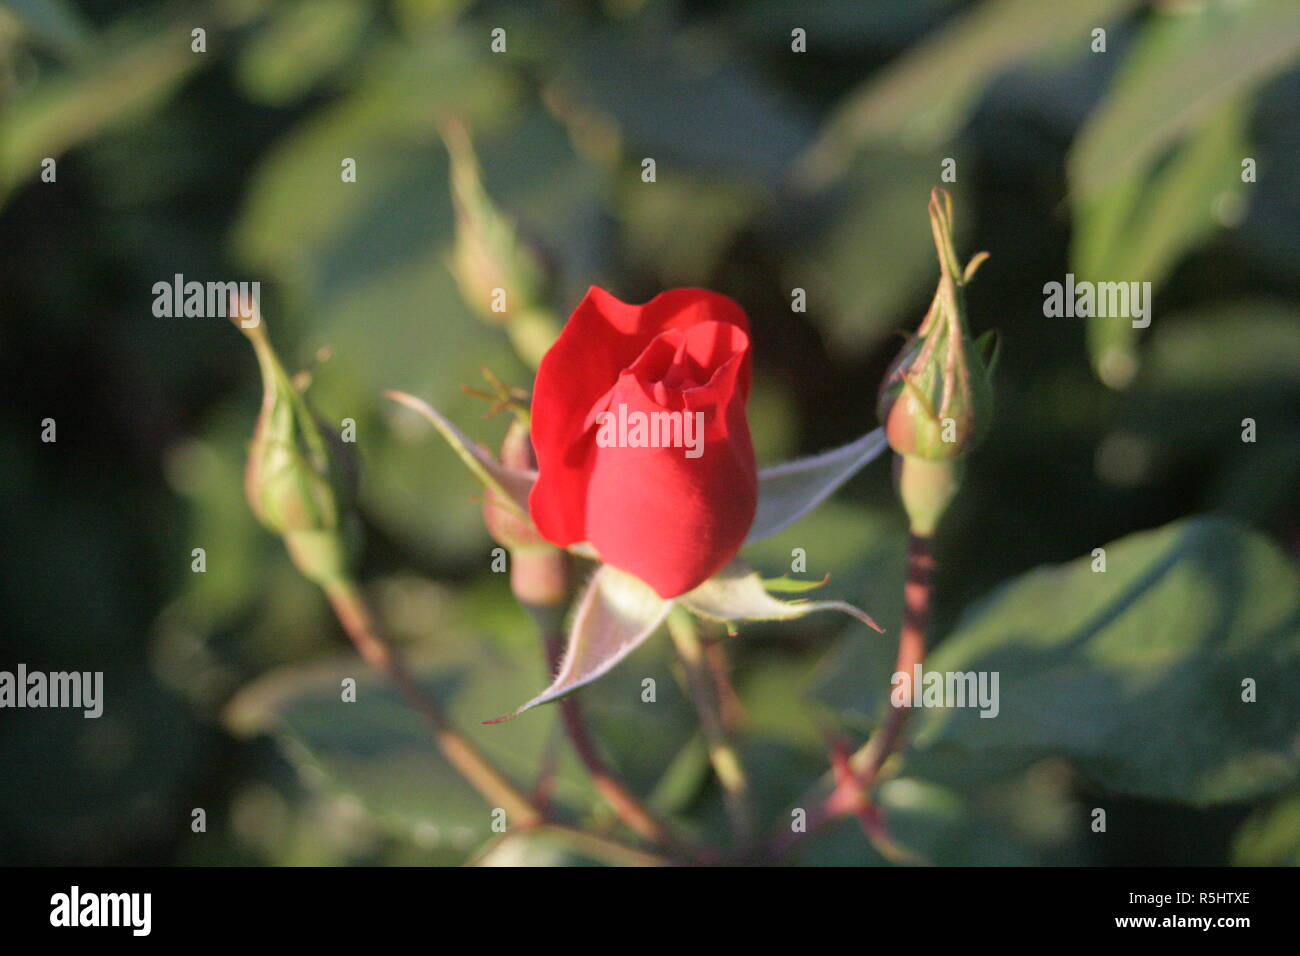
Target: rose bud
x=504, y=523
x=501, y=277
x=299, y=481
x=539, y=572
x=936, y=399
x=643, y=448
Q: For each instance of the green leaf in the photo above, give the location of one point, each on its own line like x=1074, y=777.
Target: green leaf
x=380, y=751
x=1226, y=349
x=1135, y=218
x=1206, y=369
x=299, y=45
x=687, y=105
x=944, y=827
x=788, y=491
x=737, y=594
x=922, y=98
x=296, y=223
x=1270, y=837
x=55, y=22
x=615, y=616
x=684, y=226
x=1204, y=372
x=1139, y=230
x=1185, y=68
x=130, y=75
x=1135, y=675
x=853, y=680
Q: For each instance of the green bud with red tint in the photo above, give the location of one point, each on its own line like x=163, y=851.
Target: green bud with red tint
x=936, y=402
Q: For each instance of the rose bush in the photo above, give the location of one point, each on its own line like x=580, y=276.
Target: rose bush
x=670, y=519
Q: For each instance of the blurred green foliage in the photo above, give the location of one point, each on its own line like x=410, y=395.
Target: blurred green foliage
x=776, y=170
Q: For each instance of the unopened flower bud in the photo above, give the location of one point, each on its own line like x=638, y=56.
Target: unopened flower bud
x=505, y=523
x=937, y=401
x=501, y=277
x=539, y=571
x=298, y=480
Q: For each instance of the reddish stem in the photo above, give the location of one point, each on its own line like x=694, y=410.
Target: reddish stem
x=732, y=711
x=867, y=762
x=622, y=801
x=853, y=791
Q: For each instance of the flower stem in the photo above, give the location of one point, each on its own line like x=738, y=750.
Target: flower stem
x=359, y=622
x=541, y=580
x=621, y=800
x=869, y=760
x=704, y=693
x=730, y=708
x=871, y=757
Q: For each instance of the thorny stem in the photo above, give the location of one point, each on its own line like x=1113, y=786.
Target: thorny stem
x=870, y=758
x=866, y=764
x=704, y=694
x=621, y=800
x=358, y=621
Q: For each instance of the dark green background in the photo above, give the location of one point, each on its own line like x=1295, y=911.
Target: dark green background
x=225, y=166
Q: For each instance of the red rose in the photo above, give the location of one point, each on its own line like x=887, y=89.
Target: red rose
x=616, y=407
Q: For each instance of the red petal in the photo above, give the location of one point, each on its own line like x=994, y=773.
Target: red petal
x=671, y=520
x=602, y=338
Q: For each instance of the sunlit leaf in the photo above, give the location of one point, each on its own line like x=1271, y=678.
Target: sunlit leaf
x=1187, y=65
x=1140, y=228
x=1137, y=675
x=787, y=585
x=1270, y=837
